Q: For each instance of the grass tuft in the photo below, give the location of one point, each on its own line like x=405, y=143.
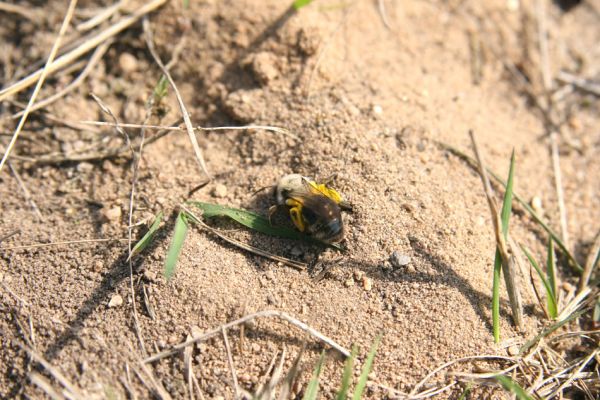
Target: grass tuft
x=347, y=376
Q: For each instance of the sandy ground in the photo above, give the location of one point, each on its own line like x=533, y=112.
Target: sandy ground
x=368, y=104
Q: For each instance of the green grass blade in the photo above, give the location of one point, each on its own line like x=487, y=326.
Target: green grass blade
x=505, y=217
x=523, y=203
x=551, y=268
x=465, y=392
x=508, y=195
x=298, y=4
x=496, y=296
x=147, y=238
x=255, y=222
x=347, y=376
x=161, y=88
x=513, y=387
x=550, y=298
x=313, y=386
x=366, y=370
x=180, y=231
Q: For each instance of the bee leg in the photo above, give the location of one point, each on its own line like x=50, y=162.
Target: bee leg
x=296, y=215
x=272, y=211
x=344, y=205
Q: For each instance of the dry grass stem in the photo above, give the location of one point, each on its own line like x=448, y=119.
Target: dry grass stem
x=43, y=383
x=26, y=192
x=68, y=242
x=590, y=263
x=508, y=261
x=184, y=112
x=413, y=392
x=40, y=81
x=261, y=314
x=102, y=16
x=234, y=380
x=86, y=46
x=580, y=83
x=276, y=129
x=300, y=266
x=13, y=294
x=151, y=382
x=383, y=14
x=96, y=56
x=72, y=391
x=187, y=368
x=30, y=13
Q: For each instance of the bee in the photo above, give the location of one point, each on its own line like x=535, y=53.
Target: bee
x=314, y=208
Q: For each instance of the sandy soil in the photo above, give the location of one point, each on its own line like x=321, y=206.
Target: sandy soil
x=368, y=104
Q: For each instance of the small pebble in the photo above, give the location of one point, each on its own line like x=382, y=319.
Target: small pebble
x=115, y=301
x=220, y=190
x=513, y=350
x=358, y=275
x=536, y=204
x=349, y=282
x=367, y=283
x=377, y=110
x=128, y=62
x=150, y=276
x=399, y=260
x=112, y=214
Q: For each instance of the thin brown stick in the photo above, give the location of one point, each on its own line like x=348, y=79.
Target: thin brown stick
x=283, y=131
x=187, y=368
x=74, y=392
x=294, y=264
x=40, y=82
x=26, y=192
x=261, y=314
x=184, y=112
x=151, y=382
x=96, y=56
x=135, y=165
x=43, y=383
x=508, y=262
x=91, y=43
x=547, y=81
x=590, y=263
x=234, y=380
x=101, y=16
x=580, y=83
x=30, y=13
x=9, y=235
x=38, y=245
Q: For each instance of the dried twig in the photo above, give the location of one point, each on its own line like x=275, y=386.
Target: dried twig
x=43, y=383
x=136, y=157
x=26, y=193
x=91, y=43
x=40, y=81
x=102, y=16
x=383, y=14
x=38, y=245
x=234, y=380
x=267, y=313
x=580, y=83
x=590, y=263
x=276, y=129
x=508, y=263
x=28, y=12
x=96, y=56
x=292, y=263
x=73, y=391
x=184, y=112
x=547, y=81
